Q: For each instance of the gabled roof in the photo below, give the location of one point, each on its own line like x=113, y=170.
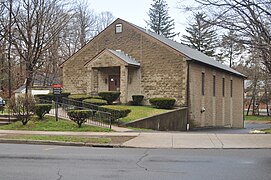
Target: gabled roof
x=125, y=57
x=119, y=54
x=191, y=53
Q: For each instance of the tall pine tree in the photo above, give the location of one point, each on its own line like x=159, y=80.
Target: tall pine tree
x=159, y=20
x=201, y=35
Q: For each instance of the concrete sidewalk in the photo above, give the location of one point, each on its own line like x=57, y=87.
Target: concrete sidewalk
x=173, y=139
x=201, y=141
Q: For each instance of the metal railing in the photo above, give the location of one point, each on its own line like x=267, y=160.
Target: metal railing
x=98, y=118
x=115, y=114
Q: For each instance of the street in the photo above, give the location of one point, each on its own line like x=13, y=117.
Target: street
x=18, y=161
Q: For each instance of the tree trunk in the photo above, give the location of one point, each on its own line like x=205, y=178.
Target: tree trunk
x=249, y=106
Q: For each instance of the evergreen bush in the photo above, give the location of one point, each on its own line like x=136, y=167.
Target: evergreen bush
x=137, y=99
x=41, y=109
x=110, y=96
x=162, y=102
x=80, y=116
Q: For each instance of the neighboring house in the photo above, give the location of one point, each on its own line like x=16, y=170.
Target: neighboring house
x=132, y=60
x=34, y=91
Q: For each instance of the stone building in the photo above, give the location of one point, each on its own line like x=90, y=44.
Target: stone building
x=134, y=61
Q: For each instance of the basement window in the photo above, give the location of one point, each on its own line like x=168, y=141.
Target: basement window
x=118, y=28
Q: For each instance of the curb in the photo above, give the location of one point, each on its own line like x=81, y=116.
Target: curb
x=59, y=143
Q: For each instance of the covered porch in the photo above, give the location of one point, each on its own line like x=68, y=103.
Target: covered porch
x=114, y=71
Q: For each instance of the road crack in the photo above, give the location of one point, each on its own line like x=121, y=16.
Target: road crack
x=60, y=176
x=140, y=159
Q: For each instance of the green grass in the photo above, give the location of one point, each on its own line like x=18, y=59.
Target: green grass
x=257, y=118
x=5, y=111
x=268, y=131
x=61, y=138
x=50, y=124
x=138, y=112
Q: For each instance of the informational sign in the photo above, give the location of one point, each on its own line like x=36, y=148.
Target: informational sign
x=57, y=89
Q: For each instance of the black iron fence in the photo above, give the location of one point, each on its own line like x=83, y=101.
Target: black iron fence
x=98, y=118
x=115, y=114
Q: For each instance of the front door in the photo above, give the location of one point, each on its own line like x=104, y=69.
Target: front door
x=114, y=83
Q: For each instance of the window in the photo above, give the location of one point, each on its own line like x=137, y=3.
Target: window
x=202, y=83
x=223, y=87
x=118, y=28
x=213, y=85
x=231, y=88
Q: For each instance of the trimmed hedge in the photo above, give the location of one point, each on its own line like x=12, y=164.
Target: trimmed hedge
x=46, y=97
x=163, y=103
x=137, y=99
x=41, y=109
x=98, y=102
x=79, y=97
x=79, y=116
x=117, y=112
x=110, y=96
x=96, y=97
x=50, y=97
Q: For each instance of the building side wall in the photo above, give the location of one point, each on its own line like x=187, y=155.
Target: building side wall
x=162, y=70
x=214, y=111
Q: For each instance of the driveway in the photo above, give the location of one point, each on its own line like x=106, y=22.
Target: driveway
x=249, y=126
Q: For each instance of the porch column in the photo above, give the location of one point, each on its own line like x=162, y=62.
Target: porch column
x=94, y=80
x=123, y=84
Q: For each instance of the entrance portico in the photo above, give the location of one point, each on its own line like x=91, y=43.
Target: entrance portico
x=114, y=71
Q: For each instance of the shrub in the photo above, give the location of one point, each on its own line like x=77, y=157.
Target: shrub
x=44, y=98
x=79, y=116
x=23, y=107
x=79, y=97
x=96, y=97
x=163, y=103
x=137, y=99
x=41, y=109
x=98, y=102
x=117, y=112
x=110, y=96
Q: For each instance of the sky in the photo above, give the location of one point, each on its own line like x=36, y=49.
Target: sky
x=135, y=11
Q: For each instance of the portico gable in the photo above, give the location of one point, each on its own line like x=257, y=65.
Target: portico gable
x=112, y=70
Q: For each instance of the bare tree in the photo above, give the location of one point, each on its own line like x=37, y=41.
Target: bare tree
x=36, y=24
x=250, y=20
x=104, y=19
x=85, y=20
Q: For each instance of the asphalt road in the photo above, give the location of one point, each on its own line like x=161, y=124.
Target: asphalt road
x=34, y=162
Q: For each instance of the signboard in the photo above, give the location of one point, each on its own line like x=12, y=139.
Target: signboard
x=57, y=89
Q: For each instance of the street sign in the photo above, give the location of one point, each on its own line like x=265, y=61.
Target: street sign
x=57, y=85
x=57, y=89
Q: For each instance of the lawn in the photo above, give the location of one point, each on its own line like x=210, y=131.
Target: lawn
x=138, y=112
x=61, y=138
x=257, y=118
x=268, y=131
x=50, y=124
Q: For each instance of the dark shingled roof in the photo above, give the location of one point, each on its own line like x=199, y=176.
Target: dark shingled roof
x=191, y=53
x=128, y=59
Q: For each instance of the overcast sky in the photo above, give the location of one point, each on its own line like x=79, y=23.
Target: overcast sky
x=135, y=11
